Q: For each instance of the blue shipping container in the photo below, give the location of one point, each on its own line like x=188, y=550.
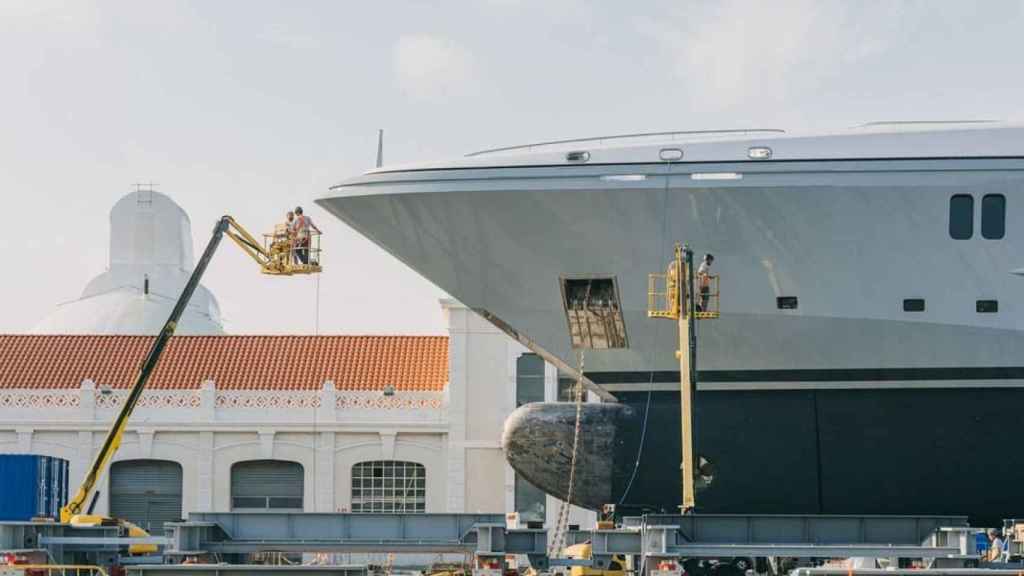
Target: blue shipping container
x=32, y=486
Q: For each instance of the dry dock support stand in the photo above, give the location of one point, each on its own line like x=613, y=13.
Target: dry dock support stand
x=939, y=541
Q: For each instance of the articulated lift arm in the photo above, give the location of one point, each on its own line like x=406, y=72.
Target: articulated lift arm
x=281, y=265
x=278, y=255
x=111, y=443
x=247, y=242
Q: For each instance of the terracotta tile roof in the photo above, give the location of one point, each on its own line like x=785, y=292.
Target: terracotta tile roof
x=233, y=362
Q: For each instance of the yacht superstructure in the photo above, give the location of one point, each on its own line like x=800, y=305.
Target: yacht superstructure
x=870, y=309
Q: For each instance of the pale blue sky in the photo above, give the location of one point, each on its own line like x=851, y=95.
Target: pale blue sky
x=251, y=107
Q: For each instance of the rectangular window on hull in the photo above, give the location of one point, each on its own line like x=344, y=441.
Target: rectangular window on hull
x=913, y=305
x=993, y=216
x=786, y=302
x=961, y=216
x=987, y=306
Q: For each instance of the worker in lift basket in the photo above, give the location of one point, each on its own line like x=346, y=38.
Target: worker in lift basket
x=300, y=229
x=704, y=281
x=995, y=545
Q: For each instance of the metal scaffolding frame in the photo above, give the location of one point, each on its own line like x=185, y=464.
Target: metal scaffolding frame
x=652, y=538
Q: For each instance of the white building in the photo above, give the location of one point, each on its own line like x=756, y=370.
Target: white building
x=150, y=262
x=313, y=423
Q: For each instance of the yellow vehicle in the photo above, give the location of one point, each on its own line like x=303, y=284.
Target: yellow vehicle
x=274, y=257
x=582, y=552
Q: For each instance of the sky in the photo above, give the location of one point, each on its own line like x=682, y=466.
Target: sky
x=252, y=107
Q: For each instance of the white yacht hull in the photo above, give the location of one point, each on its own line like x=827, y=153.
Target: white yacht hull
x=846, y=404
x=851, y=243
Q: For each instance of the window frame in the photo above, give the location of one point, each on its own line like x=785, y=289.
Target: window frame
x=378, y=488
x=530, y=384
x=1001, y=219
x=955, y=233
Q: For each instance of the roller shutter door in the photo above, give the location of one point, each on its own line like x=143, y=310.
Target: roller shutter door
x=266, y=485
x=146, y=493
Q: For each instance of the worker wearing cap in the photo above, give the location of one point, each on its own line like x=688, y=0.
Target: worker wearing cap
x=300, y=229
x=704, y=281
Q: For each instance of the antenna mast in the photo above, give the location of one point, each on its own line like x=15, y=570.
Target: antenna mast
x=380, y=147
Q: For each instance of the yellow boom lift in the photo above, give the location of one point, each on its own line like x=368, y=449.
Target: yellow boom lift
x=277, y=255
x=680, y=301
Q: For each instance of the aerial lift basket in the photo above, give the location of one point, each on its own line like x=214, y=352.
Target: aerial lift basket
x=663, y=292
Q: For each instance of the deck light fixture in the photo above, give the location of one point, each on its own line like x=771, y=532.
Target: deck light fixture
x=716, y=176
x=670, y=154
x=759, y=153
x=624, y=177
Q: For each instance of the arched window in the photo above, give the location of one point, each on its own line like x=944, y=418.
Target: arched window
x=389, y=486
x=266, y=485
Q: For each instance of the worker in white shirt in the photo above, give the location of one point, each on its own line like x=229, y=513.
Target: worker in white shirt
x=301, y=228
x=704, y=281
x=995, y=546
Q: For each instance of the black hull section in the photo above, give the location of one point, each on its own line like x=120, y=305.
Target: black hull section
x=899, y=451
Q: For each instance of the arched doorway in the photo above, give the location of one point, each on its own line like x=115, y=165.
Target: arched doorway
x=266, y=485
x=146, y=492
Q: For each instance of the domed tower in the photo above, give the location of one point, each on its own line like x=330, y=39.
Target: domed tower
x=150, y=262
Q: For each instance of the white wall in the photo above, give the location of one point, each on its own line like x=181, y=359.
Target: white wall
x=207, y=432
x=457, y=438
x=481, y=389
x=483, y=377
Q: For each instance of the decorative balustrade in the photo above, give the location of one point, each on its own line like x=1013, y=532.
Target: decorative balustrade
x=373, y=400
x=304, y=399
x=159, y=399
x=34, y=399
x=206, y=403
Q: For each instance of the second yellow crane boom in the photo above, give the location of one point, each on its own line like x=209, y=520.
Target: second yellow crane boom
x=275, y=256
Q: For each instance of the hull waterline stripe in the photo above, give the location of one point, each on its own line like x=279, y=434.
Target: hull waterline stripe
x=816, y=375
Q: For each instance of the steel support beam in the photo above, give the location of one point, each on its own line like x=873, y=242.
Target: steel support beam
x=243, y=570
x=800, y=528
x=243, y=532
x=485, y=535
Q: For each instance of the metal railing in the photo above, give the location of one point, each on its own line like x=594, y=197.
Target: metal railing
x=671, y=135
x=707, y=297
x=289, y=254
x=663, y=296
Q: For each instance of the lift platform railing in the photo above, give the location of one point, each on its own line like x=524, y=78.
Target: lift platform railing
x=663, y=296
x=707, y=297
x=288, y=255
